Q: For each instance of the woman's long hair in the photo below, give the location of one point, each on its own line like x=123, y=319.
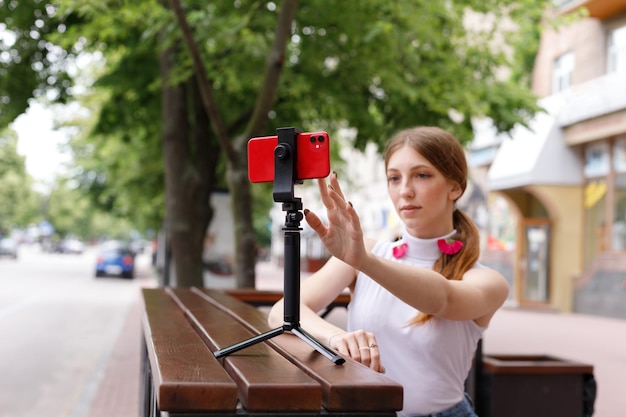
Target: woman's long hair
x=447, y=155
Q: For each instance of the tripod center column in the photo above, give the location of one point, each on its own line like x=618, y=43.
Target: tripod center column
x=292, y=277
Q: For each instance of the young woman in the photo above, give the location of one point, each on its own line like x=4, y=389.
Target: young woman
x=418, y=305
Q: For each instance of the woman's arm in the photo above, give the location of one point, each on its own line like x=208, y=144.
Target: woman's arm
x=481, y=292
x=316, y=293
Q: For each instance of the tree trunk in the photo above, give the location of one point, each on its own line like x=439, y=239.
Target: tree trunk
x=186, y=199
x=241, y=201
x=236, y=151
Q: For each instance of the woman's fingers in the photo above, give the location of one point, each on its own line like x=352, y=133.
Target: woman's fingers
x=314, y=221
x=331, y=193
x=334, y=181
x=360, y=346
x=327, y=200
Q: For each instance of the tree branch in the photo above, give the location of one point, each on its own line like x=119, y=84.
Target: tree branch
x=273, y=69
x=206, y=91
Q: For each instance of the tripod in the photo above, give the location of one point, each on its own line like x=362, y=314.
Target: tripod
x=285, y=176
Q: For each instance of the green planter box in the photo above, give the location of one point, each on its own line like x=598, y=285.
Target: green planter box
x=534, y=385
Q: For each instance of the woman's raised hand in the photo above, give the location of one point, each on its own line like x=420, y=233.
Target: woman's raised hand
x=343, y=236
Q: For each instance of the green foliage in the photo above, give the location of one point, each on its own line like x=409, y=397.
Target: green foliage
x=30, y=64
x=383, y=66
x=374, y=65
x=18, y=201
x=72, y=212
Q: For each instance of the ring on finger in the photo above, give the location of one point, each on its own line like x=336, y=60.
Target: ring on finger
x=373, y=345
x=365, y=348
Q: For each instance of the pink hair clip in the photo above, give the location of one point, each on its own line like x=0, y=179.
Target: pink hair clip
x=450, y=246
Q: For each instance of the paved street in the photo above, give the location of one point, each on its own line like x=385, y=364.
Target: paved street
x=58, y=328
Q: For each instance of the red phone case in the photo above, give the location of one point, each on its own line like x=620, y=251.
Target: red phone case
x=313, y=159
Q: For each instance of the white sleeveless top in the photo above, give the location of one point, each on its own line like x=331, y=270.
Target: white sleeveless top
x=431, y=360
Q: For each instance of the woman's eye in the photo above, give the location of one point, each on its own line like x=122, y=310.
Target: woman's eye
x=422, y=175
x=393, y=179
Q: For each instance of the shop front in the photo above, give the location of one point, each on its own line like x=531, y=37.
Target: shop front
x=564, y=178
x=540, y=178
x=598, y=129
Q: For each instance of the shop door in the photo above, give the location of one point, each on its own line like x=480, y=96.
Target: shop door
x=535, y=261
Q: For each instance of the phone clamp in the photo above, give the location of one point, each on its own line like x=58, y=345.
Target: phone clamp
x=285, y=176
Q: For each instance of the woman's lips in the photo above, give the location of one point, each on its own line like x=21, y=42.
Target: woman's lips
x=409, y=208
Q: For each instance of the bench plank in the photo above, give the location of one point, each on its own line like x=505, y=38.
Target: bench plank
x=269, y=382
x=266, y=298
x=185, y=372
x=347, y=387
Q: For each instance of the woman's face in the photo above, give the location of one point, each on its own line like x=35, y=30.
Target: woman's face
x=422, y=196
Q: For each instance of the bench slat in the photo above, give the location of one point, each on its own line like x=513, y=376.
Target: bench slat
x=269, y=382
x=347, y=387
x=186, y=373
x=265, y=298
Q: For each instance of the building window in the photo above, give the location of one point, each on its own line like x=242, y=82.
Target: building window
x=562, y=73
x=597, y=162
x=616, y=52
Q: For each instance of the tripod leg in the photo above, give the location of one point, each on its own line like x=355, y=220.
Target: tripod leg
x=246, y=343
x=330, y=354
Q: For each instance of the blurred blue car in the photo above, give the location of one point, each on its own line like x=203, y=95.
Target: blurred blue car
x=116, y=261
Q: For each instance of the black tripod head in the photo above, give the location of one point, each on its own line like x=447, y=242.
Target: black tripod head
x=285, y=165
x=285, y=176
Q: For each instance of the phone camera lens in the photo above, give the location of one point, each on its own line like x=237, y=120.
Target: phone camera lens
x=312, y=139
x=320, y=138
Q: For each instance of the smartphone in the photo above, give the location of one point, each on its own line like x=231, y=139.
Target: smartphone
x=313, y=157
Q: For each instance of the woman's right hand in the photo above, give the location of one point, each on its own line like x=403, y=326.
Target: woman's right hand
x=342, y=236
x=360, y=346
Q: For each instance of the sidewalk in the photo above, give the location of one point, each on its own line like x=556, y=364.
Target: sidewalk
x=597, y=341
x=600, y=342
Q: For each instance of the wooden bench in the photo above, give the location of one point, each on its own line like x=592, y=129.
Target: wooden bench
x=282, y=376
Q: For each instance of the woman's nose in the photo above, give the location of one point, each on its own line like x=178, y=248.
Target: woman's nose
x=407, y=189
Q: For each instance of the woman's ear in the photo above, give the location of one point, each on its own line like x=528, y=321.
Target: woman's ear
x=455, y=191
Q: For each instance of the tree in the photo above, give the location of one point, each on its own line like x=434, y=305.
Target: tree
x=378, y=93
x=19, y=201
x=377, y=66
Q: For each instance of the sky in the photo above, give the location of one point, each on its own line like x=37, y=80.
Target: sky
x=39, y=143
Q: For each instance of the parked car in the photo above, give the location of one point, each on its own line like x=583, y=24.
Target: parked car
x=73, y=246
x=8, y=247
x=115, y=260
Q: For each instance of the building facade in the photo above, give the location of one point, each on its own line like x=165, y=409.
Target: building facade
x=564, y=177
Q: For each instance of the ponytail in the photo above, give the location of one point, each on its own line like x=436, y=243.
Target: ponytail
x=454, y=266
